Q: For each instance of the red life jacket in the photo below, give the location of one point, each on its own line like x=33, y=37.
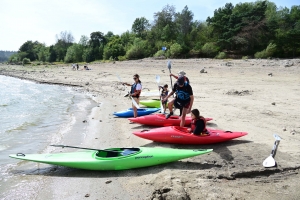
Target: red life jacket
x=193, y=125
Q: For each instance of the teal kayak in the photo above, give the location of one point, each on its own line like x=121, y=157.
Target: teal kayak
x=152, y=103
x=113, y=158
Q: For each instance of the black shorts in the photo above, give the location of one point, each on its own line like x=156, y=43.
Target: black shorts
x=182, y=104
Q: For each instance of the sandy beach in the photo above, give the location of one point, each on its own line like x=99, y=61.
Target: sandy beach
x=260, y=97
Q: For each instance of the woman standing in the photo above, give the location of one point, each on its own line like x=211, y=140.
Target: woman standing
x=135, y=91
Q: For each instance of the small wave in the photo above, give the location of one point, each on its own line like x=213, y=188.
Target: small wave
x=23, y=126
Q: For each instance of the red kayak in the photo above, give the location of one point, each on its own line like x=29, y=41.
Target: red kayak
x=180, y=135
x=160, y=120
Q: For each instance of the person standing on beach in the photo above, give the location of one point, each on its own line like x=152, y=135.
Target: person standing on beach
x=135, y=91
x=184, y=99
x=163, y=94
x=186, y=81
x=181, y=73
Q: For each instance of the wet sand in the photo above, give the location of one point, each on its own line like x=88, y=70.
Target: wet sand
x=260, y=97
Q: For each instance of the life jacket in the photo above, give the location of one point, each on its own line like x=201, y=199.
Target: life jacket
x=193, y=125
x=133, y=90
x=182, y=94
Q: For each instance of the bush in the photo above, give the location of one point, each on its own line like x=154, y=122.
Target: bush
x=210, y=49
x=26, y=61
x=261, y=54
x=175, y=50
x=159, y=53
x=245, y=57
x=266, y=53
x=271, y=49
x=122, y=58
x=221, y=55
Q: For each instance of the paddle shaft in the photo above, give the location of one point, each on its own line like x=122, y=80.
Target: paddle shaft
x=65, y=146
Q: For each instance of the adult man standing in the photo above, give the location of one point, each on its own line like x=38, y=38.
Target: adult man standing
x=184, y=99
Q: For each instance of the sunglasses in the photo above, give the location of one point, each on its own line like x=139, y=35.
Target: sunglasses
x=134, y=78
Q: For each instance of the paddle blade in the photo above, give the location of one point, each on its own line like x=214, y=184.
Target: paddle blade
x=157, y=79
x=169, y=64
x=134, y=103
x=119, y=78
x=277, y=137
x=269, y=162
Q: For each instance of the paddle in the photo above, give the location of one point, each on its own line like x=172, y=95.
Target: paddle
x=64, y=146
x=132, y=99
x=270, y=161
x=158, y=80
x=169, y=67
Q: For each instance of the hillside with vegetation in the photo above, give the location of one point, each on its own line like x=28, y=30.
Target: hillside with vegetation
x=251, y=30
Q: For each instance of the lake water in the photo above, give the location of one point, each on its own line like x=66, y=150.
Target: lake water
x=33, y=116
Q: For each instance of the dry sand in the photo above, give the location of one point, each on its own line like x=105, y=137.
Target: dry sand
x=240, y=95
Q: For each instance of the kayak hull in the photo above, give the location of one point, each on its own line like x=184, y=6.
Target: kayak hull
x=160, y=120
x=180, y=135
x=153, y=103
x=93, y=160
x=140, y=112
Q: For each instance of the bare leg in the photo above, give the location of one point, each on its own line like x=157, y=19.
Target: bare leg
x=182, y=121
x=135, y=114
x=170, y=105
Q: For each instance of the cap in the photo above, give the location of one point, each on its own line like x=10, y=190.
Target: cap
x=180, y=80
x=181, y=73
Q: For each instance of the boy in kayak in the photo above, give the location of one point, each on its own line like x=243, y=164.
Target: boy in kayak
x=164, y=93
x=135, y=91
x=184, y=99
x=198, y=125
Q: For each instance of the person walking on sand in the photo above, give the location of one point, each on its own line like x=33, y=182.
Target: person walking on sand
x=184, y=99
x=198, y=125
x=135, y=91
x=164, y=93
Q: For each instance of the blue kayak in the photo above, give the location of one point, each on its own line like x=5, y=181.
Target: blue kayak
x=140, y=111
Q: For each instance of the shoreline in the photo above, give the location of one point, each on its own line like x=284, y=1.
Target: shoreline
x=238, y=97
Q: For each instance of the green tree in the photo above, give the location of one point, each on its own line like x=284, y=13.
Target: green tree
x=74, y=53
x=164, y=27
x=97, y=43
x=114, y=49
x=140, y=27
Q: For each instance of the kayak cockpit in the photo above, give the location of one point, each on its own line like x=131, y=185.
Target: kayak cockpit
x=117, y=152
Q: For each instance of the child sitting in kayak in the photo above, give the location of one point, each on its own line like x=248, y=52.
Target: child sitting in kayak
x=164, y=93
x=198, y=125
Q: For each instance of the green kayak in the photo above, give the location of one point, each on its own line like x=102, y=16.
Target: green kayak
x=152, y=103
x=114, y=158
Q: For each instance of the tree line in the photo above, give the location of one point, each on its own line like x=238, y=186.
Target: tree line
x=257, y=29
x=4, y=55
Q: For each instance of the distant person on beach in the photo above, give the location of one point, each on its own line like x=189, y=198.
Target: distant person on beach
x=135, y=91
x=77, y=66
x=198, y=125
x=164, y=93
x=86, y=67
x=184, y=99
x=73, y=67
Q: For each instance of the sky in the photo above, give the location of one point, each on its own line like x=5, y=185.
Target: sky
x=42, y=20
